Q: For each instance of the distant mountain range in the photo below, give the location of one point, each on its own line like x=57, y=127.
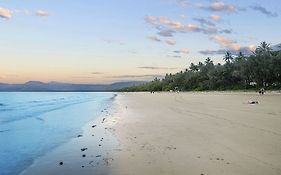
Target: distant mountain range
x=276, y=47
x=37, y=86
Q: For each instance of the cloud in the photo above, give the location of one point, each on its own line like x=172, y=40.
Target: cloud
x=164, y=22
x=227, y=45
x=182, y=51
x=212, y=52
x=227, y=31
x=246, y=50
x=171, y=41
x=213, y=6
x=97, y=73
x=5, y=13
x=214, y=30
x=81, y=77
x=264, y=11
x=22, y=11
x=215, y=17
x=41, y=13
x=219, y=6
x=174, y=56
x=204, y=21
x=112, y=41
x=151, y=19
x=161, y=23
x=158, y=68
x=184, y=3
x=166, y=33
x=225, y=42
x=154, y=38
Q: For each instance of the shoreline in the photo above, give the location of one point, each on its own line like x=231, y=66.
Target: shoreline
x=94, y=137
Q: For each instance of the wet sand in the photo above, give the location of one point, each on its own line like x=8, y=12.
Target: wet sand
x=88, y=153
x=198, y=133
x=209, y=133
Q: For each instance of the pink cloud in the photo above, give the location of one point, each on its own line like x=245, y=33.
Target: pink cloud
x=230, y=45
x=215, y=17
x=41, y=13
x=225, y=42
x=220, y=6
x=166, y=23
x=5, y=13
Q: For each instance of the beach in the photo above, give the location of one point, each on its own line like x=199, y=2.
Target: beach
x=198, y=133
x=206, y=133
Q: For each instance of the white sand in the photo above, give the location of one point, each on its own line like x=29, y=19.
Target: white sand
x=197, y=133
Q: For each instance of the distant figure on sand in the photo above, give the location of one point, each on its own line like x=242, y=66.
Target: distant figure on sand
x=176, y=89
x=261, y=91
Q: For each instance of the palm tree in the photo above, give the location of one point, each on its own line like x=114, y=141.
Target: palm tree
x=193, y=67
x=208, y=61
x=240, y=56
x=263, y=49
x=200, y=65
x=227, y=57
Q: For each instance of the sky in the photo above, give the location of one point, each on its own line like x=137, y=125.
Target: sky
x=105, y=41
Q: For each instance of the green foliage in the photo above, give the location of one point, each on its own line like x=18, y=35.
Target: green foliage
x=261, y=69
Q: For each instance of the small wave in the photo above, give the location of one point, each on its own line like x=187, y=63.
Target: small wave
x=40, y=119
x=1, y=131
x=38, y=110
x=6, y=109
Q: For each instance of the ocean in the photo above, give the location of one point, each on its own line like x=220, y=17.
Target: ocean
x=32, y=124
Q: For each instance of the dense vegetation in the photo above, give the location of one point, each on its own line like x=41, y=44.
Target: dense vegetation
x=260, y=69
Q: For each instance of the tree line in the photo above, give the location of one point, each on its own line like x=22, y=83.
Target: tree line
x=261, y=69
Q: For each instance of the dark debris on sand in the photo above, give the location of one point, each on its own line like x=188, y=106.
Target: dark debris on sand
x=253, y=102
x=84, y=149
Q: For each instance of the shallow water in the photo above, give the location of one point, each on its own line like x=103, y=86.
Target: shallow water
x=32, y=124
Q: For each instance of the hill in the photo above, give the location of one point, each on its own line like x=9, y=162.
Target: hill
x=37, y=86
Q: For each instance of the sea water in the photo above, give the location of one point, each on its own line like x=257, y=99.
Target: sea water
x=31, y=124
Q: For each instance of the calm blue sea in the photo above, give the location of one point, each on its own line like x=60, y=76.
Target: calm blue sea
x=31, y=124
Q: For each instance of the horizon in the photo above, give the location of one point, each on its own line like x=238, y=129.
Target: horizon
x=107, y=42
x=48, y=82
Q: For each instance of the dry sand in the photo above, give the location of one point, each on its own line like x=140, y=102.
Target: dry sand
x=197, y=133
